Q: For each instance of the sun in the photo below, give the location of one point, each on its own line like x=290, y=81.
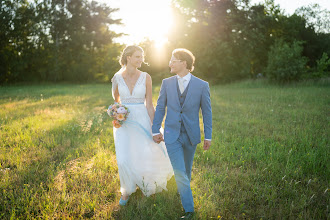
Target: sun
x=144, y=19
x=158, y=22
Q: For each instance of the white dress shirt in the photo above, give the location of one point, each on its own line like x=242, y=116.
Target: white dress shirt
x=186, y=79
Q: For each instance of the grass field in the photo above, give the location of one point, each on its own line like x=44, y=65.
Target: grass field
x=269, y=157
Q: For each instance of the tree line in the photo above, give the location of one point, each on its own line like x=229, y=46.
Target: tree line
x=233, y=40
x=72, y=40
x=56, y=40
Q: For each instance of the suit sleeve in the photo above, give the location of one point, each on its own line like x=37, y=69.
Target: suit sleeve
x=207, y=112
x=160, y=109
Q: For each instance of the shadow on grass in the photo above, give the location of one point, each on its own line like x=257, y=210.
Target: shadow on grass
x=164, y=205
x=30, y=172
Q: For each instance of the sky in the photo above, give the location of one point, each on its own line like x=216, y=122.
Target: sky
x=152, y=18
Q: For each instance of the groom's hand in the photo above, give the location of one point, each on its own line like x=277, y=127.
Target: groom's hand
x=207, y=145
x=158, y=138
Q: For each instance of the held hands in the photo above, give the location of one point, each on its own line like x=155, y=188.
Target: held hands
x=158, y=138
x=207, y=145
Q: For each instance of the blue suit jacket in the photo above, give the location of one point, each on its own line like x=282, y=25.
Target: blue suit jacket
x=198, y=97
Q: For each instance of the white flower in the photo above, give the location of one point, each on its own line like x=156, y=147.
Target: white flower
x=121, y=110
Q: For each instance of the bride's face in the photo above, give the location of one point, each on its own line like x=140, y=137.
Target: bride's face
x=136, y=59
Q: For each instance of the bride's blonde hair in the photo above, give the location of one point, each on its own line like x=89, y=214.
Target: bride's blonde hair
x=128, y=51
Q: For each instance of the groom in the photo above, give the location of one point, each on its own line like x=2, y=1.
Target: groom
x=183, y=95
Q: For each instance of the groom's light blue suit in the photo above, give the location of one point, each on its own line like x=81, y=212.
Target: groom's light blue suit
x=182, y=131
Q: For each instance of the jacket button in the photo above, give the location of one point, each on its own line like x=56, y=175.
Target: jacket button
x=181, y=112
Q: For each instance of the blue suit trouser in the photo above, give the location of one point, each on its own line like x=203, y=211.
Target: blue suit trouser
x=181, y=154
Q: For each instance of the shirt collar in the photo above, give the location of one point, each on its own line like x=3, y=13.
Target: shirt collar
x=186, y=77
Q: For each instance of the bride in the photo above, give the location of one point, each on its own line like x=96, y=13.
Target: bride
x=141, y=162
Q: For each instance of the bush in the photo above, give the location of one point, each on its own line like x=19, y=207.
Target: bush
x=217, y=62
x=285, y=62
x=322, y=67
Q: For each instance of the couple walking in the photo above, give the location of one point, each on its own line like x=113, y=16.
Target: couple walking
x=144, y=160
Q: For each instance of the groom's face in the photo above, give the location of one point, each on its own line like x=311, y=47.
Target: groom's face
x=176, y=65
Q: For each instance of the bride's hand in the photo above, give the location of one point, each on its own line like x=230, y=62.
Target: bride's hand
x=158, y=138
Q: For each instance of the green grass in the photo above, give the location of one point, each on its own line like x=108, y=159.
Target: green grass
x=269, y=157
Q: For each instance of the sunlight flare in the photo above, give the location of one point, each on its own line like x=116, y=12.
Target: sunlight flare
x=150, y=20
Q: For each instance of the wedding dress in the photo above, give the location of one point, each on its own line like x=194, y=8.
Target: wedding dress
x=141, y=161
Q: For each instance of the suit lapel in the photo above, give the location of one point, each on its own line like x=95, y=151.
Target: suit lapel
x=175, y=89
x=190, y=90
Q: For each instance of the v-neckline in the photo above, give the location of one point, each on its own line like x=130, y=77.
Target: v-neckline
x=131, y=93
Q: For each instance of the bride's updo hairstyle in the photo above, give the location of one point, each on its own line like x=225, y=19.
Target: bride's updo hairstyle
x=128, y=51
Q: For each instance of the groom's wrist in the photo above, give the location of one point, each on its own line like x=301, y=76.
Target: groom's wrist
x=154, y=134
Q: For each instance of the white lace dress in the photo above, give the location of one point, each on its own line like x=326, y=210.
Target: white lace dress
x=141, y=162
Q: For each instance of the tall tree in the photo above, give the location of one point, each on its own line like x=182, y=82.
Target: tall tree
x=55, y=39
x=16, y=38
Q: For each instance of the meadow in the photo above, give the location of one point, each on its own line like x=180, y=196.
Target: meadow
x=269, y=157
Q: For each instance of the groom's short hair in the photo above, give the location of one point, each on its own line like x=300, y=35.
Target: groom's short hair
x=185, y=55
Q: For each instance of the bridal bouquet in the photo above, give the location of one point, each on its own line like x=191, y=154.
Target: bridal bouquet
x=118, y=113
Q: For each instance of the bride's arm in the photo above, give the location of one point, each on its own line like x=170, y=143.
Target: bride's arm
x=150, y=106
x=115, y=92
x=116, y=95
